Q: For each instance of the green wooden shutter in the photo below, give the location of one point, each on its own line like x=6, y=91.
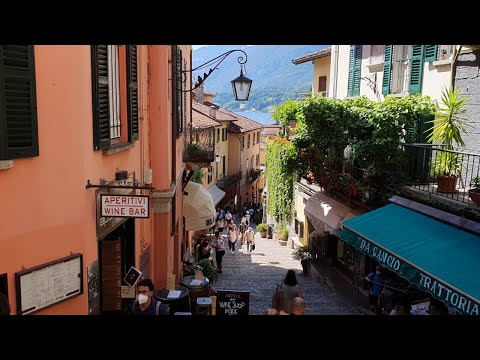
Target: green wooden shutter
x=178, y=91
x=18, y=102
x=416, y=69
x=350, y=70
x=101, y=109
x=387, y=69
x=132, y=90
x=357, y=70
x=431, y=52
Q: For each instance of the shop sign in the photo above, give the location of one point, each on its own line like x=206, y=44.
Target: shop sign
x=133, y=206
x=425, y=281
x=232, y=302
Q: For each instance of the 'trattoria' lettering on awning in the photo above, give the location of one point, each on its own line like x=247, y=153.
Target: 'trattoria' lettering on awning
x=424, y=281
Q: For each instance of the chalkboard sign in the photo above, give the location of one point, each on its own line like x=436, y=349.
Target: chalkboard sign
x=232, y=302
x=49, y=284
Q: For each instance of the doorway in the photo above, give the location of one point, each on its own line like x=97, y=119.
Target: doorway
x=116, y=254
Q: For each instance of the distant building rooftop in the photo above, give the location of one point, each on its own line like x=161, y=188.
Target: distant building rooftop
x=312, y=56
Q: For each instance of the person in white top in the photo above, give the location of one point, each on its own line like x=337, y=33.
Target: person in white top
x=247, y=218
x=232, y=238
x=228, y=218
x=250, y=236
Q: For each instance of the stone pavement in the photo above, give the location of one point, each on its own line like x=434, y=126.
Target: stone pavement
x=265, y=267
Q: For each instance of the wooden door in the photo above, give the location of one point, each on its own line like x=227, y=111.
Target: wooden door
x=322, y=84
x=111, y=274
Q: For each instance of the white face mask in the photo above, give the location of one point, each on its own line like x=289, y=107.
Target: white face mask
x=142, y=299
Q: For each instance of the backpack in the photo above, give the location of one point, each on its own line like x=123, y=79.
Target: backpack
x=157, y=309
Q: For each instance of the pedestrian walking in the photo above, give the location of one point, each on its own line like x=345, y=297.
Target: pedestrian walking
x=232, y=238
x=242, y=229
x=228, y=218
x=298, y=306
x=250, y=237
x=247, y=218
x=219, y=250
x=290, y=285
x=376, y=287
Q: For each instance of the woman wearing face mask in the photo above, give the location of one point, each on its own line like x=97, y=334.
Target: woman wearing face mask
x=376, y=287
x=145, y=304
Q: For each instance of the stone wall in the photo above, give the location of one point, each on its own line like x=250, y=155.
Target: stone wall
x=467, y=80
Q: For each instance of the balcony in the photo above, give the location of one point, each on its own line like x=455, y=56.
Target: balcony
x=199, y=147
x=426, y=166
x=253, y=175
x=229, y=180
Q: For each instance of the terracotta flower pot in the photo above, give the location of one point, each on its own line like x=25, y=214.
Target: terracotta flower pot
x=475, y=196
x=447, y=184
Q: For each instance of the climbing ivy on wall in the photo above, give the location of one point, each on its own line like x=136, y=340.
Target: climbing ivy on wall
x=281, y=174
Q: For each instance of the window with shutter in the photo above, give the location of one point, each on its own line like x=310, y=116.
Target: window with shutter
x=101, y=100
x=387, y=69
x=402, y=55
x=416, y=70
x=114, y=95
x=178, y=91
x=18, y=102
x=431, y=53
x=248, y=141
x=354, y=72
x=132, y=90
x=350, y=70
x=114, y=91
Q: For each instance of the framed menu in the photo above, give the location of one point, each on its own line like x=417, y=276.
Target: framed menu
x=48, y=284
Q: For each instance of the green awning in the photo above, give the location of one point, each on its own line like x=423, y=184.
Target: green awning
x=440, y=259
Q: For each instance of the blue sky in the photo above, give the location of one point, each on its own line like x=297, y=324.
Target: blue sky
x=195, y=47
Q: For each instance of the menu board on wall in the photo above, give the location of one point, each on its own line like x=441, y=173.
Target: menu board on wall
x=48, y=284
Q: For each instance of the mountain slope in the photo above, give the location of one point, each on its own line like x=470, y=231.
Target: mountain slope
x=275, y=78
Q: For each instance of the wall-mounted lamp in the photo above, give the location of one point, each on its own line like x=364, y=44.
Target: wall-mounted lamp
x=241, y=85
x=218, y=158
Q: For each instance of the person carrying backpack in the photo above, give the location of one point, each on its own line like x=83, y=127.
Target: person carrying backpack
x=146, y=304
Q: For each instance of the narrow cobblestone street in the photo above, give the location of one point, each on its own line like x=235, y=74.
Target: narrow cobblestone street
x=265, y=267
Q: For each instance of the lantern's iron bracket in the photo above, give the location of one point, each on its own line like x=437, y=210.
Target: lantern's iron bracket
x=218, y=60
x=120, y=184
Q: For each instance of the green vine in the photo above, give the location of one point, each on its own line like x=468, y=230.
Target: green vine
x=197, y=176
x=370, y=131
x=281, y=173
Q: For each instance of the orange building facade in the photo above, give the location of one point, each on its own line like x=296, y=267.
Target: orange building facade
x=109, y=116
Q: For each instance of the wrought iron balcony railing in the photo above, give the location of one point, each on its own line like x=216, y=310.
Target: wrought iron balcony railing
x=442, y=172
x=252, y=175
x=199, y=145
x=229, y=180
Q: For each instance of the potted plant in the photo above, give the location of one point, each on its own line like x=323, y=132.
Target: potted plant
x=263, y=230
x=448, y=127
x=302, y=254
x=474, y=191
x=206, y=267
x=283, y=235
